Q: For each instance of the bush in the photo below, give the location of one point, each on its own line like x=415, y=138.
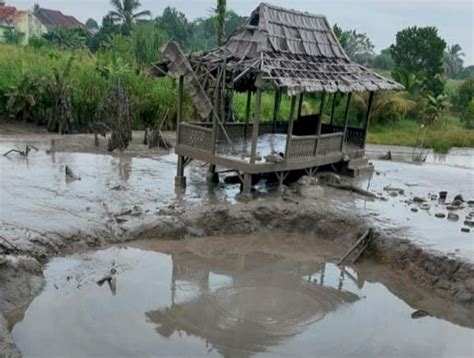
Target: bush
x=465, y=94
x=468, y=115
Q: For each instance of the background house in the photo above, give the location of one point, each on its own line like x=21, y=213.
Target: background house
x=22, y=21
x=53, y=19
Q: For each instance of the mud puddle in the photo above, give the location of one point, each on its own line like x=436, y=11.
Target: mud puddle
x=212, y=298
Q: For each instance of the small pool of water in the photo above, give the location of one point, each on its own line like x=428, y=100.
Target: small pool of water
x=253, y=304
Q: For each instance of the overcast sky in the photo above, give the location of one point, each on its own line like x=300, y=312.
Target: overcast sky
x=380, y=19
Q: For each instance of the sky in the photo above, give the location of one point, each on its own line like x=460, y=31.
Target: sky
x=379, y=19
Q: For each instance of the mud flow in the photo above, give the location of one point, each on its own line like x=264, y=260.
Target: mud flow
x=282, y=296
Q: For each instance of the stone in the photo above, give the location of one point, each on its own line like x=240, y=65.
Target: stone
x=393, y=193
x=450, y=207
x=453, y=217
x=383, y=198
x=440, y=215
x=456, y=202
x=469, y=223
x=459, y=197
x=465, y=229
x=417, y=199
x=415, y=210
x=401, y=192
x=424, y=207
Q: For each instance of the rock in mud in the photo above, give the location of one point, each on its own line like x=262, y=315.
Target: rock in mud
x=465, y=229
x=453, y=217
x=440, y=215
x=393, y=193
x=417, y=199
x=419, y=314
x=459, y=197
x=307, y=180
x=457, y=202
x=434, y=197
x=469, y=223
x=424, y=207
x=415, y=210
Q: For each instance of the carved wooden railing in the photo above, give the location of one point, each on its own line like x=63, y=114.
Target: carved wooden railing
x=329, y=143
x=195, y=136
x=301, y=147
x=353, y=135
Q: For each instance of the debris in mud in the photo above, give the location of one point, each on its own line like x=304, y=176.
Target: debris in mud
x=443, y=195
x=110, y=279
x=23, y=153
x=358, y=248
x=420, y=314
x=424, y=206
x=335, y=181
x=465, y=229
x=459, y=198
x=453, y=217
x=70, y=174
x=418, y=199
x=415, y=210
x=469, y=222
x=440, y=215
x=386, y=156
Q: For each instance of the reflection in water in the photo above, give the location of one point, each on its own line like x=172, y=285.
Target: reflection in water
x=260, y=307
x=228, y=305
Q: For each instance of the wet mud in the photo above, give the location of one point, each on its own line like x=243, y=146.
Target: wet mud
x=127, y=196
x=182, y=298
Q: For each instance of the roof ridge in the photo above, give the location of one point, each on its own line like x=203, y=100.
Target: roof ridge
x=293, y=11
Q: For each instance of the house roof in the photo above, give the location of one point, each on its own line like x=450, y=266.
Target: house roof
x=293, y=50
x=10, y=15
x=55, y=18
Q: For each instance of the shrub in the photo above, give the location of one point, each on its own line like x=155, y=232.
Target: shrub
x=468, y=115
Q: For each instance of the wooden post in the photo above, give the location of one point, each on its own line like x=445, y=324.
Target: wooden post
x=346, y=119
x=319, y=123
x=367, y=116
x=247, y=184
x=179, y=115
x=290, y=126
x=180, y=179
x=300, y=105
x=256, y=121
x=333, y=108
x=247, y=112
x=276, y=108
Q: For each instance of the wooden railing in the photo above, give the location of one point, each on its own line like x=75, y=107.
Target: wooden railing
x=353, y=135
x=195, y=136
x=329, y=143
x=302, y=147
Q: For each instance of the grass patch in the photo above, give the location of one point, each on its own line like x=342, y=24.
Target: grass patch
x=442, y=137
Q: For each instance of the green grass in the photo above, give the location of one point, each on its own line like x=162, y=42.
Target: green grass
x=440, y=137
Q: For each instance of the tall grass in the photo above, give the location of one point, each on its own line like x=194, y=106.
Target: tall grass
x=151, y=97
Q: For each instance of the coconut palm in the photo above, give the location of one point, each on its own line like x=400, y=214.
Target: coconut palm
x=220, y=21
x=125, y=13
x=453, y=61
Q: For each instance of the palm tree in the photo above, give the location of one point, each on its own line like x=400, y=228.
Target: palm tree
x=125, y=14
x=220, y=21
x=452, y=60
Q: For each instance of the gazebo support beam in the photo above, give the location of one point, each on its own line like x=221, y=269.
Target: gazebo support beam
x=333, y=108
x=290, y=126
x=247, y=112
x=320, y=120
x=276, y=108
x=367, y=116
x=180, y=179
x=256, y=121
x=300, y=105
x=346, y=119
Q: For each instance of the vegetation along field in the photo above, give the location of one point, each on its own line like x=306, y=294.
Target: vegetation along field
x=64, y=80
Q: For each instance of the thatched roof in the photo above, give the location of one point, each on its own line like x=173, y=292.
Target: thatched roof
x=293, y=50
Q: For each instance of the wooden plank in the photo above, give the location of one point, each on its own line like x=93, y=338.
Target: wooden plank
x=353, y=247
x=290, y=126
x=346, y=118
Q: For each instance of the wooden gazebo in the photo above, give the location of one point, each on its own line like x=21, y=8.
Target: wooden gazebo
x=283, y=51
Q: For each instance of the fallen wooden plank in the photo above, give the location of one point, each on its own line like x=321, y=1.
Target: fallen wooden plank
x=353, y=247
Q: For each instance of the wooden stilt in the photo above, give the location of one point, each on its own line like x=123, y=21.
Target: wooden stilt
x=247, y=184
x=320, y=120
x=300, y=105
x=180, y=179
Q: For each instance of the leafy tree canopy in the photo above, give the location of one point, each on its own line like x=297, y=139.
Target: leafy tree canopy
x=420, y=50
x=357, y=45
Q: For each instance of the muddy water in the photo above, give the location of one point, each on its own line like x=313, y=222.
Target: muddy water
x=250, y=302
